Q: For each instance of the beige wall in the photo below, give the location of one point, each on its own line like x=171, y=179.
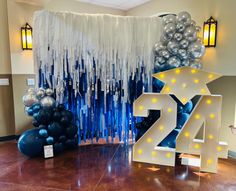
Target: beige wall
x=5, y=63
x=220, y=59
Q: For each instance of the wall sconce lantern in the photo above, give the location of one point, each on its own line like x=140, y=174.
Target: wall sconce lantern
x=26, y=37
x=210, y=32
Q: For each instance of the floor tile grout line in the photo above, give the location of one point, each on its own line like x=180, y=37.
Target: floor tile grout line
x=95, y=187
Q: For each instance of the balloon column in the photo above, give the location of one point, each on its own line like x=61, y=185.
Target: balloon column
x=54, y=125
x=179, y=45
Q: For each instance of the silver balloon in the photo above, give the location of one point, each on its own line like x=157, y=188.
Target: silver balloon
x=184, y=43
x=160, y=60
x=168, y=19
x=165, y=54
x=173, y=47
x=49, y=92
x=178, y=36
x=193, y=23
x=40, y=93
x=190, y=33
x=180, y=27
x=157, y=65
x=31, y=91
x=158, y=47
x=198, y=29
x=184, y=17
x=196, y=64
x=196, y=50
x=185, y=62
x=170, y=29
x=48, y=101
x=164, y=39
x=182, y=53
x=174, y=61
x=29, y=99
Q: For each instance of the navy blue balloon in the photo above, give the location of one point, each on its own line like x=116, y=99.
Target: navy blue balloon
x=62, y=139
x=35, y=123
x=71, y=143
x=43, y=133
x=181, y=119
x=71, y=131
x=187, y=108
x=44, y=116
x=180, y=108
x=36, y=108
x=58, y=148
x=68, y=114
x=30, y=143
x=61, y=107
x=55, y=129
x=50, y=140
x=170, y=140
x=158, y=84
x=56, y=116
x=65, y=121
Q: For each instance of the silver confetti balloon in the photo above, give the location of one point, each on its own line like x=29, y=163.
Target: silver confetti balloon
x=49, y=92
x=190, y=33
x=173, y=47
x=182, y=53
x=180, y=27
x=168, y=19
x=174, y=61
x=196, y=50
x=184, y=43
x=178, y=36
x=184, y=17
x=40, y=93
x=29, y=99
x=48, y=101
x=170, y=29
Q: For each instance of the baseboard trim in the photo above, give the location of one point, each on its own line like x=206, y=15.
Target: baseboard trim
x=9, y=138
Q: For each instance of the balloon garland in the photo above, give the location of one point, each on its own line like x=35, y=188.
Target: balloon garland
x=54, y=125
x=179, y=45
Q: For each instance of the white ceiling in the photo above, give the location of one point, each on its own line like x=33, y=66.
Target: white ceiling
x=116, y=4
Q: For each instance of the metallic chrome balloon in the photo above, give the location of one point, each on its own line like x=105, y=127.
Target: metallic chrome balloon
x=193, y=23
x=182, y=53
x=173, y=47
x=190, y=33
x=178, y=36
x=198, y=29
x=196, y=64
x=164, y=39
x=31, y=91
x=158, y=47
x=40, y=93
x=185, y=62
x=180, y=27
x=49, y=92
x=160, y=60
x=184, y=17
x=170, y=29
x=184, y=43
x=168, y=19
x=48, y=101
x=165, y=54
x=196, y=50
x=29, y=99
x=174, y=61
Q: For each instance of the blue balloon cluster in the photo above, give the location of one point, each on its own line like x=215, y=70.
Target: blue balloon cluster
x=54, y=125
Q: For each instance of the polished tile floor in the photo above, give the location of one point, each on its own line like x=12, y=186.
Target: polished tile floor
x=105, y=168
